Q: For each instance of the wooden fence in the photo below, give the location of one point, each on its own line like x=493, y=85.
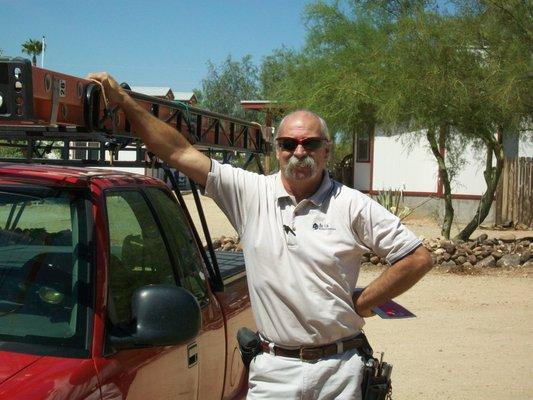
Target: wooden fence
x=514, y=196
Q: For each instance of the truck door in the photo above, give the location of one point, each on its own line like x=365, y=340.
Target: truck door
x=212, y=339
x=139, y=255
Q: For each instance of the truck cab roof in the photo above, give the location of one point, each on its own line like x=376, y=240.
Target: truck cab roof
x=70, y=176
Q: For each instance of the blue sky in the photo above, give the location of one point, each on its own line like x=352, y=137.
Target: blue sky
x=150, y=43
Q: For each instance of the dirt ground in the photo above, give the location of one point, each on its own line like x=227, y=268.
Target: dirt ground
x=472, y=337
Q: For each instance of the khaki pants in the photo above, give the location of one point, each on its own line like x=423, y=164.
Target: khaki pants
x=336, y=377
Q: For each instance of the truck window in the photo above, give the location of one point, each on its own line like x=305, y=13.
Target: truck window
x=189, y=259
x=44, y=270
x=138, y=254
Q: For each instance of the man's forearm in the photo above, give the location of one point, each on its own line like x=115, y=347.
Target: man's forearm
x=394, y=281
x=165, y=141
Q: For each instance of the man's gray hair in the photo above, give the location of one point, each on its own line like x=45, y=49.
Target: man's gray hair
x=323, y=127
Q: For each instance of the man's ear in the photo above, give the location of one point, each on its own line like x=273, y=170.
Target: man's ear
x=328, y=149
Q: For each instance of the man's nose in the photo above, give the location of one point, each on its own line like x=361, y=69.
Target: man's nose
x=299, y=151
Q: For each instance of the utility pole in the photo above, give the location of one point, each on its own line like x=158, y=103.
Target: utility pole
x=42, y=54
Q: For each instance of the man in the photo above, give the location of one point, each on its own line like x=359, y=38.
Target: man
x=303, y=236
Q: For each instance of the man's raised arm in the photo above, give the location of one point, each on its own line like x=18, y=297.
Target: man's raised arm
x=160, y=138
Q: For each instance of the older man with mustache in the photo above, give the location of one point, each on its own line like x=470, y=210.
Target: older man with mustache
x=303, y=236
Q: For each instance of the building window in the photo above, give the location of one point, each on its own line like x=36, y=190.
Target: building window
x=363, y=146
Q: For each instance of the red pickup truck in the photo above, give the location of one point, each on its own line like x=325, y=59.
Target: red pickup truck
x=104, y=293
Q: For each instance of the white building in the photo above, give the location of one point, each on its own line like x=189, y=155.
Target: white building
x=405, y=162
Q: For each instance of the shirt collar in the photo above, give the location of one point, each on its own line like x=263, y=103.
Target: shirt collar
x=317, y=198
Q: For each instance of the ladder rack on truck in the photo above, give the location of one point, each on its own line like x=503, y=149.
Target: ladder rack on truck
x=49, y=117
x=38, y=104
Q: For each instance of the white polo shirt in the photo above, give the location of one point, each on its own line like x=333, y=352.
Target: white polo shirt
x=303, y=259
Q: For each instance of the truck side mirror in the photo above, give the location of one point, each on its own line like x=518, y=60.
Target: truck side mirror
x=163, y=315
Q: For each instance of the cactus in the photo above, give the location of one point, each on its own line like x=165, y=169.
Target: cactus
x=392, y=200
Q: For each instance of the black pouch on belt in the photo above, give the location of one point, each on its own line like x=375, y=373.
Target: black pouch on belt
x=376, y=383
x=249, y=345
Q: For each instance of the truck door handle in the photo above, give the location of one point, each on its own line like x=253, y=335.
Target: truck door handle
x=192, y=354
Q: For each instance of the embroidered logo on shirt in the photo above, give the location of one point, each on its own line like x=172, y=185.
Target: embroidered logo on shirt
x=322, y=226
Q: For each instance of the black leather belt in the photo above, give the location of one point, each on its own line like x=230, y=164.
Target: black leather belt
x=314, y=353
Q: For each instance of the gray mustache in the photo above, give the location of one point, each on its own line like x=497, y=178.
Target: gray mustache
x=295, y=162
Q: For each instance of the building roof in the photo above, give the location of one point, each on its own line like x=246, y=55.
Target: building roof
x=154, y=91
x=185, y=96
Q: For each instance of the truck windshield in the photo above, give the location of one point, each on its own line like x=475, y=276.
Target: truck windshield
x=45, y=261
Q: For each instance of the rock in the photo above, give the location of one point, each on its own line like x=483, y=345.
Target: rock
x=496, y=254
x=481, y=238
x=509, y=260
x=467, y=265
x=446, y=256
x=521, y=227
x=449, y=264
x=460, y=252
x=439, y=251
x=477, y=249
x=507, y=237
x=461, y=260
x=525, y=256
x=471, y=245
x=528, y=265
x=374, y=260
x=472, y=259
x=487, y=262
x=448, y=246
x=453, y=268
x=524, y=243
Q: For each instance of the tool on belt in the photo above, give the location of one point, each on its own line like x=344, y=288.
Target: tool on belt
x=376, y=384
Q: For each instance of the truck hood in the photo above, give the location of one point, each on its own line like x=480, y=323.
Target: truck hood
x=26, y=376
x=13, y=363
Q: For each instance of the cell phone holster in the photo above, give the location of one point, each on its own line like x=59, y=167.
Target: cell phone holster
x=249, y=345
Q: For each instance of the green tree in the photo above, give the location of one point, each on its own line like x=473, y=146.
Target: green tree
x=408, y=64
x=325, y=75
x=227, y=84
x=424, y=88
x=501, y=99
x=32, y=47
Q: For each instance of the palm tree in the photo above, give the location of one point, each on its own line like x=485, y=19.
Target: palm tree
x=33, y=47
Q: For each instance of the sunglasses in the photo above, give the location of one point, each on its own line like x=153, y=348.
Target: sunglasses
x=309, y=144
